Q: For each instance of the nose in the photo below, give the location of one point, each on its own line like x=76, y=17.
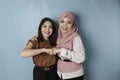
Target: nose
x=65, y=24
x=47, y=29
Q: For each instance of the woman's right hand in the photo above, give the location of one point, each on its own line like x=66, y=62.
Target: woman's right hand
x=48, y=51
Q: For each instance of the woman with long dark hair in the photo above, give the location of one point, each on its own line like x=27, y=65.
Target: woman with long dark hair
x=40, y=50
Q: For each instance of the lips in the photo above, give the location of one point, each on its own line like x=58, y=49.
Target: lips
x=65, y=28
x=47, y=33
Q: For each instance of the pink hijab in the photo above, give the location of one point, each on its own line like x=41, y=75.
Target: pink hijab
x=65, y=39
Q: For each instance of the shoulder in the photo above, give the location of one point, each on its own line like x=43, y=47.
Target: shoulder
x=77, y=39
x=33, y=42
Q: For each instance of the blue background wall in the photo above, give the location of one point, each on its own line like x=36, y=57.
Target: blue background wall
x=98, y=22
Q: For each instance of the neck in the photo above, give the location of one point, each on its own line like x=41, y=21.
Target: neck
x=46, y=38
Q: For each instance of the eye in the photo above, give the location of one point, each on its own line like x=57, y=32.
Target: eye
x=44, y=26
x=51, y=27
x=69, y=22
x=62, y=21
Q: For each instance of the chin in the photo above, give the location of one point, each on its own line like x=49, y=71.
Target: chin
x=47, y=36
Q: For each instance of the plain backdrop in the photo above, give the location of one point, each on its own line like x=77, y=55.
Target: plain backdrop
x=99, y=27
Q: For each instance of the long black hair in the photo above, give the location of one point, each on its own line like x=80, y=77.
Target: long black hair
x=52, y=37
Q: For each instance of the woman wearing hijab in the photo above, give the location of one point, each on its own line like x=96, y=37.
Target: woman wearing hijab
x=70, y=49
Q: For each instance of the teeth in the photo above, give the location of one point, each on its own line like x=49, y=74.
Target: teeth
x=65, y=29
x=46, y=33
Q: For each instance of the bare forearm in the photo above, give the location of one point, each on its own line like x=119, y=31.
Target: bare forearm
x=31, y=52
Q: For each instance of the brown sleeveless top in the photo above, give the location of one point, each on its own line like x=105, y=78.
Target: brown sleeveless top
x=43, y=59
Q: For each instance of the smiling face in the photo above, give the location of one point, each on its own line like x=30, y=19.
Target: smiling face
x=47, y=30
x=65, y=24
